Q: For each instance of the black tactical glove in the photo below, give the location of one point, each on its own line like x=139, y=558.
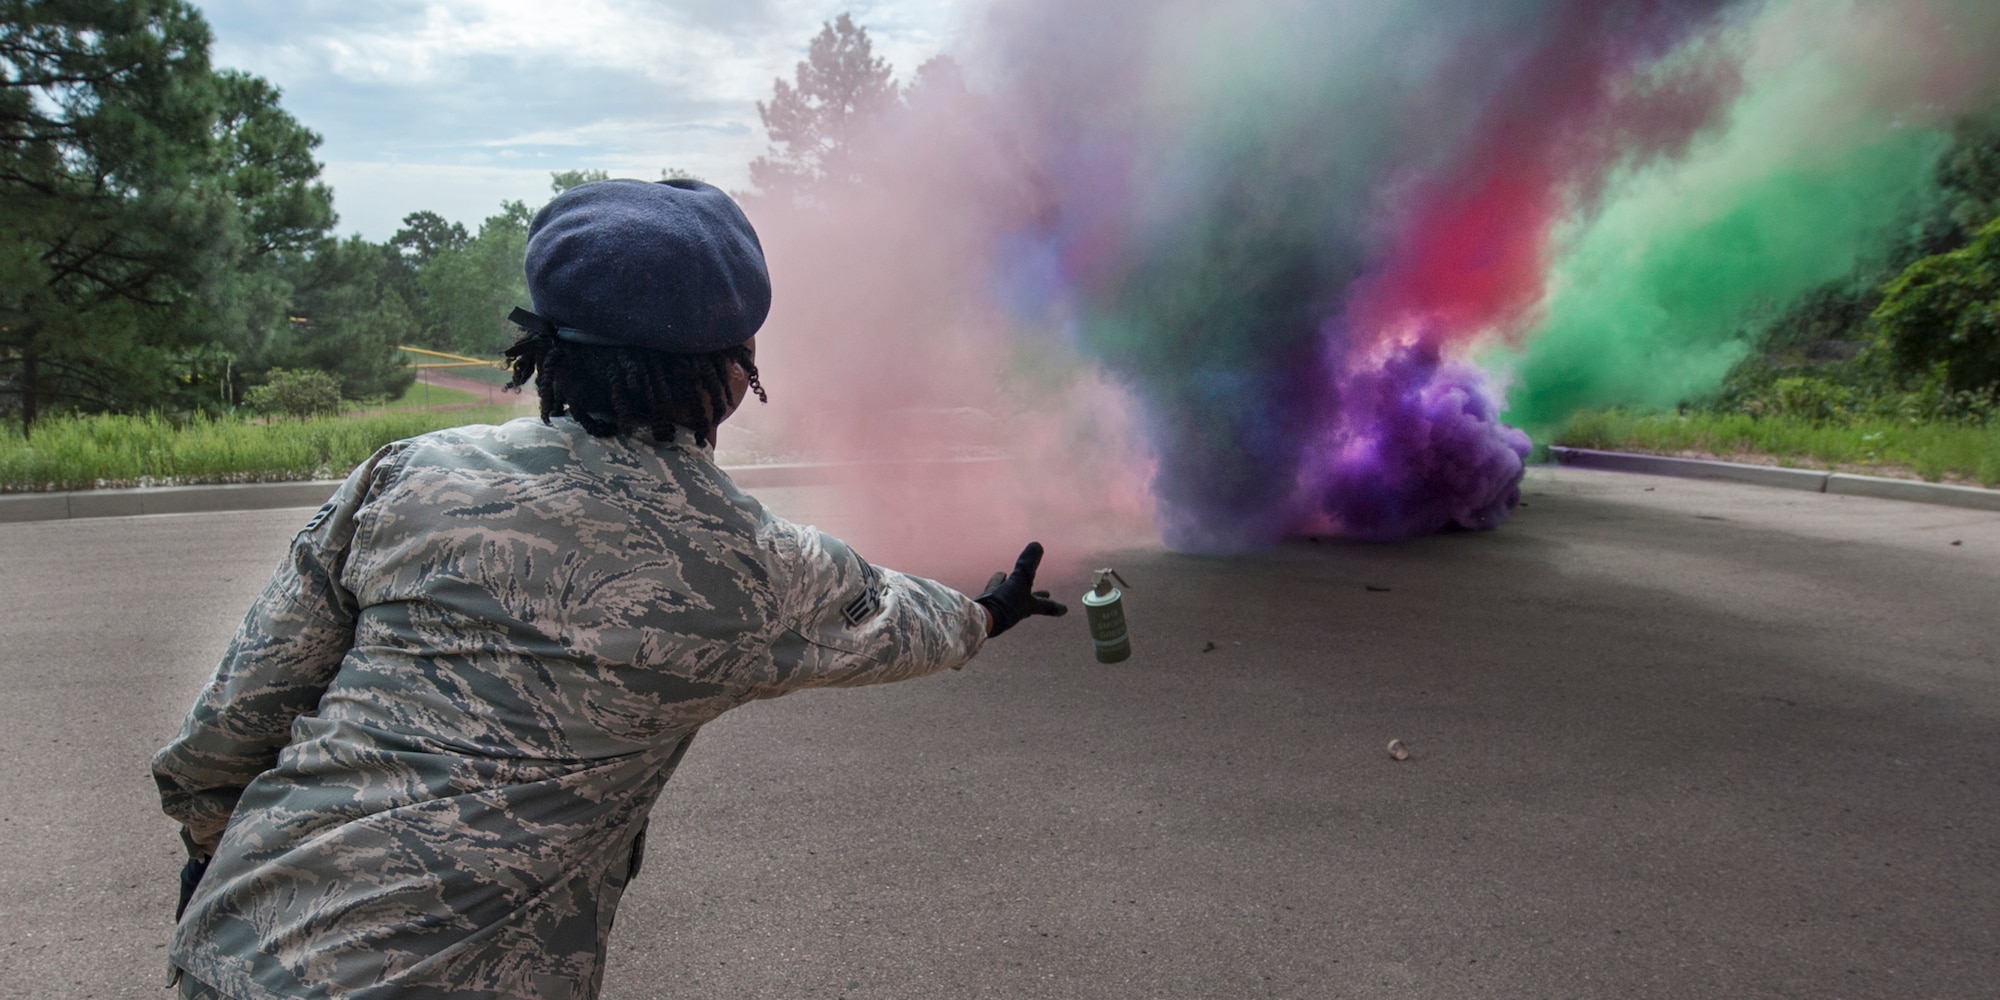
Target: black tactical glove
x=1011, y=598
x=190, y=877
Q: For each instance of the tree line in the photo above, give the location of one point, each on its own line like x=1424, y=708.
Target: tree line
x=164, y=235
x=166, y=242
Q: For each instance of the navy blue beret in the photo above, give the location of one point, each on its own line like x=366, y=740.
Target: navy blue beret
x=672, y=266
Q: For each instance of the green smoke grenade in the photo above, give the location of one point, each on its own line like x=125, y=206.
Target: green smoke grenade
x=1104, y=606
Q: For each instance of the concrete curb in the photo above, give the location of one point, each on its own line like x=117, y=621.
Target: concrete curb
x=1791, y=479
x=19, y=507
x=16, y=507
x=1916, y=492
x=1692, y=468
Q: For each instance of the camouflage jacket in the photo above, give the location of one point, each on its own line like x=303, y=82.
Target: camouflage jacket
x=425, y=762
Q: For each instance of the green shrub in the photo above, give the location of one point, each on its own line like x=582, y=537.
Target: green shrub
x=295, y=392
x=1946, y=309
x=1817, y=401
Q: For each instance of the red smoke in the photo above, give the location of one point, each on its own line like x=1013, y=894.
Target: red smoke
x=1474, y=243
x=884, y=351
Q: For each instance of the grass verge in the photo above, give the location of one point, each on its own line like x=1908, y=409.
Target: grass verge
x=488, y=375
x=419, y=396
x=86, y=452
x=1938, y=452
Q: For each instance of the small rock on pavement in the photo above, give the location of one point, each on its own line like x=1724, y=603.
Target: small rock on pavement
x=1398, y=751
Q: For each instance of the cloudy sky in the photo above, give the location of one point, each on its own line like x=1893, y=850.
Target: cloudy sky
x=457, y=105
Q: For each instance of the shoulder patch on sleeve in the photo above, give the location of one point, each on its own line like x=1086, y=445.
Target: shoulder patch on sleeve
x=868, y=603
x=319, y=516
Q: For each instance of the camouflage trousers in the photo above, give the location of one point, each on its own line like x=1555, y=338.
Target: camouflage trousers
x=194, y=989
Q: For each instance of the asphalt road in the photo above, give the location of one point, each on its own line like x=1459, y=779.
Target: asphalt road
x=1670, y=739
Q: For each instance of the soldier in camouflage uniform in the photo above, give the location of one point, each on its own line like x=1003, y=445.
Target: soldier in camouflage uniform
x=425, y=763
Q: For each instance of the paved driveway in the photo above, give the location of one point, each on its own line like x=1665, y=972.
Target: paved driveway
x=1671, y=739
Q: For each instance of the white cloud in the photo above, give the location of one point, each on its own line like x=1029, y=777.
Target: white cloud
x=453, y=105
x=638, y=132
x=454, y=37
x=373, y=197
x=675, y=44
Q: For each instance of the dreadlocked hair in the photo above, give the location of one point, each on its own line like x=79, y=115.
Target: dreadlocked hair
x=614, y=390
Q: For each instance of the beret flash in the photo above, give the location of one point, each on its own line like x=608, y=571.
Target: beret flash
x=672, y=266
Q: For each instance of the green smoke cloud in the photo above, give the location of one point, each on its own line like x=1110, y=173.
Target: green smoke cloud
x=1819, y=167
x=1649, y=309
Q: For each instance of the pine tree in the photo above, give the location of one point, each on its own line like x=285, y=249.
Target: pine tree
x=147, y=203
x=106, y=232
x=814, y=121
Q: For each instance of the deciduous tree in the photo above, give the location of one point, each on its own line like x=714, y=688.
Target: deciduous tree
x=426, y=234
x=466, y=294
x=344, y=320
x=563, y=180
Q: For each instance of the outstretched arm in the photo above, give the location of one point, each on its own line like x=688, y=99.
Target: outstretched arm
x=853, y=623
x=849, y=622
